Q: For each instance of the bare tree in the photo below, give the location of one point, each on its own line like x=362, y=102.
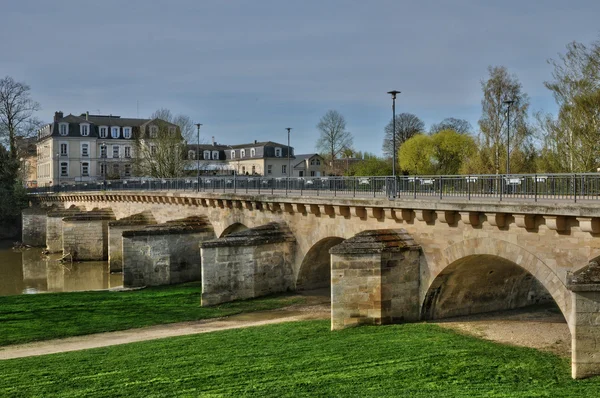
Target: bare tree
x=185, y=123
x=334, y=137
x=160, y=154
x=461, y=126
x=16, y=112
x=407, y=125
x=499, y=87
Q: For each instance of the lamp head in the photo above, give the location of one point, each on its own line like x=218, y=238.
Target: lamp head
x=508, y=102
x=393, y=93
x=288, y=129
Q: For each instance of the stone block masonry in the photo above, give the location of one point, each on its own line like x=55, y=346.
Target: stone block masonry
x=164, y=254
x=54, y=228
x=252, y=263
x=34, y=225
x=115, y=236
x=375, y=279
x=85, y=235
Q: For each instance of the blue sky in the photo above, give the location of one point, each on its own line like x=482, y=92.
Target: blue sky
x=249, y=69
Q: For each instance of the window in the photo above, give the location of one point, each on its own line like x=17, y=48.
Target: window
x=191, y=154
x=153, y=131
x=244, y=170
x=206, y=155
x=116, y=169
x=63, y=129
x=85, y=169
x=172, y=130
x=243, y=153
x=84, y=129
x=85, y=150
x=116, y=151
x=103, y=131
x=103, y=169
x=312, y=162
x=233, y=154
x=269, y=169
x=64, y=149
x=64, y=169
x=312, y=173
x=102, y=151
x=277, y=152
x=318, y=162
x=252, y=152
x=127, y=151
x=215, y=155
x=284, y=169
x=127, y=170
x=253, y=170
x=301, y=173
x=127, y=132
x=114, y=132
x=153, y=149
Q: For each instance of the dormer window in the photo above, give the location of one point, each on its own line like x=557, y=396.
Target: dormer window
x=115, y=132
x=103, y=131
x=84, y=129
x=215, y=155
x=277, y=152
x=243, y=153
x=172, y=130
x=252, y=152
x=191, y=154
x=127, y=132
x=153, y=131
x=206, y=155
x=63, y=128
x=233, y=154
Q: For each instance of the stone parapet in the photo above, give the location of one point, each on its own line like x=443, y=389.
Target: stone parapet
x=251, y=263
x=375, y=279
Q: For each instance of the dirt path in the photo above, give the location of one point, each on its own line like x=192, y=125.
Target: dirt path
x=303, y=312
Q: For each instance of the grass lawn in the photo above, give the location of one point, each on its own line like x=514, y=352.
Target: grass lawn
x=27, y=318
x=301, y=359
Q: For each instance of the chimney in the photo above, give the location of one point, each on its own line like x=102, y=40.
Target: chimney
x=256, y=141
x=58, y=115
x=213, y=140
x=87, y=115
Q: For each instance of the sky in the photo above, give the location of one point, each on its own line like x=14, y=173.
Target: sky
x=247, y=70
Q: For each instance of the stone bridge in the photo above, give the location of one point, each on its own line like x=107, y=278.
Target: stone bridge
x=386, y=261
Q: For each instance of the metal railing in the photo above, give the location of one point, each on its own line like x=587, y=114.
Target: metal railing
x=520, y=187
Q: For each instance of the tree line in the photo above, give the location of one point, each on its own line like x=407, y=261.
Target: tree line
x=533, y=142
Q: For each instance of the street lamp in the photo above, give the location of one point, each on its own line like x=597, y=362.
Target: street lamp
x=508, y=103
x=393, y=93
x=289, y=170
x=198, y=158
x=103, y=155
x=58, y=170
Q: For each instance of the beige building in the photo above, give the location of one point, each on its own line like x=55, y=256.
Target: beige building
x=309, y=165
x=268, y=159
x=90, y=148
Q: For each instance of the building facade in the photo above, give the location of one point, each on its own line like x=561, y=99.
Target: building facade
x=308, y=165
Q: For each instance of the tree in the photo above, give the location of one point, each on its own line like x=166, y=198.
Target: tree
x=500, y=87
x=571, y=139
x=16, y=112
x=372, y=166
x=13, y=197
x=334, y=137
x=161, y=155
x=416, y=155
x=450, y=150
x=185, y=123
x=461, y=126
x=407, y=125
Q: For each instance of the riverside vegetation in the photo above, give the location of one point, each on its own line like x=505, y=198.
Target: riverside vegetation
x=301, y=359
x=26, y=318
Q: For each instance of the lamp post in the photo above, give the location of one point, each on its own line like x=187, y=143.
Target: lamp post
x=289, y=170
x=393, y=93
x=58, y=170
x=198, y=158
x=103, y=155
x=508, y=103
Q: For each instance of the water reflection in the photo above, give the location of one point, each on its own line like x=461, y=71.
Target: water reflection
x=30, y=271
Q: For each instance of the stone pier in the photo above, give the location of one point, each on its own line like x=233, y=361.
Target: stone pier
x=375, y=279
x=33, y=220
x=165, y=254
x=251, y=263
x=85, y=235
x=115, y=235
x=585, y=320
x=54, y=227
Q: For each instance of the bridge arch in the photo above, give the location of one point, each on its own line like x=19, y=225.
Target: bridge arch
x=315, y=269
x=505, y=266
x=235, y=227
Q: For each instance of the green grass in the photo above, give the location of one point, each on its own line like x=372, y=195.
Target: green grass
x=301, y=359
x=27, y=318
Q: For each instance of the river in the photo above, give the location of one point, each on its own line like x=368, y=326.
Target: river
x=29, y=271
